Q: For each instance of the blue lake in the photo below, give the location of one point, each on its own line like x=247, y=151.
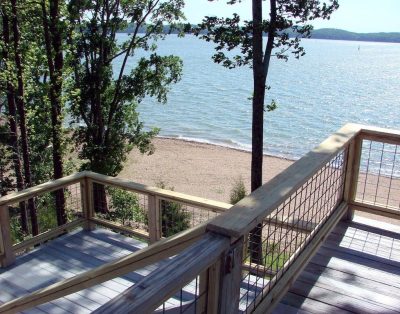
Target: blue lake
x=335, y=83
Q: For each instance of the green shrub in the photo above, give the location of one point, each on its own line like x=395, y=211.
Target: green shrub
x=174, y=218
x=46, y=212
x=125, y=206
x=238, y=191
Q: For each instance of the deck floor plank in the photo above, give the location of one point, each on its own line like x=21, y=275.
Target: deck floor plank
x=356, y=270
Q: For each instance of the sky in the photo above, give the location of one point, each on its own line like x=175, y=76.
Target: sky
x=362, y=16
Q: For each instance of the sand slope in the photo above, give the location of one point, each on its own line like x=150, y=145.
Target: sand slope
x=195, y=168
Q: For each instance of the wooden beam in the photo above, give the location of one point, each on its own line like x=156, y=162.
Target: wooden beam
x=231, y=278
x=160, y=285
x=87, y=203
x=48, y=235
x=147, y=256
x=368, y=207
x=50, y=186
x=210, y=288
x=120, y=228
x=389, y=136
x=351, y=175
x=266, y=302
x=154, y=218
x=250, y=211
x=172, y=195
x=7, y=256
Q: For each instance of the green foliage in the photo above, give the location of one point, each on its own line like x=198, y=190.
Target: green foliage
x=105, y=98
x=46, y=210
x=125, y=207
x=288, y=24
x=238, y=191
x=17, y=234
x=6, y=181
x=174, y=218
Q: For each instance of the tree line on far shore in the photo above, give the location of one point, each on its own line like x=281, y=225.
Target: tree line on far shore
x=322, y=33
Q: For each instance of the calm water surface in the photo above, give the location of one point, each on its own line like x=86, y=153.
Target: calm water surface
x=333, y=84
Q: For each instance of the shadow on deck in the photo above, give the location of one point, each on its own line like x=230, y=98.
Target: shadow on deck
x=356, y=270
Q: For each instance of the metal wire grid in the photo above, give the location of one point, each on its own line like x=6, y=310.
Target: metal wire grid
x=119, y=205
x=189, y=299
x=287, y=230
x=178, y=216
x=45, y=207
x=379, y=176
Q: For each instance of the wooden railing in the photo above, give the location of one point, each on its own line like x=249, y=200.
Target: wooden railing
x=259, y=245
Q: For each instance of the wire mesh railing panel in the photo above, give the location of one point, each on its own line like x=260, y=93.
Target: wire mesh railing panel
x=273, y=245
x=189, y=299
x=118, y=205
x=379, y=175
x=178, y=216
x=45, y=212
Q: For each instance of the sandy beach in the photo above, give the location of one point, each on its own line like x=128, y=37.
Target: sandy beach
x=199, y=169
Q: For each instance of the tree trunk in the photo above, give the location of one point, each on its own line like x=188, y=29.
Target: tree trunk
x=255, y=237
x=12, y=115
x=22, y=117
x=100, y=198
x=260, y=71
x=53, y=44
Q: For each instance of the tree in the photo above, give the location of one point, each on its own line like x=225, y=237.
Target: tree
x=52, y=30
x=20, y=102
x=286, y=25
x=11, y=118
x=106, y=98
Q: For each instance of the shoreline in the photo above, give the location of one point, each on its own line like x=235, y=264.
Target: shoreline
x=200, y=169
x=227, y=146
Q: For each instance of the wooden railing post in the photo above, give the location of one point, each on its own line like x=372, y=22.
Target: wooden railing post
x=352, y=171
x=7, y=256
x=87, y=203
x=231, y=278
x=154, y=218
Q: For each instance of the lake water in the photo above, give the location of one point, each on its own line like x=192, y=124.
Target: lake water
x=335, y=83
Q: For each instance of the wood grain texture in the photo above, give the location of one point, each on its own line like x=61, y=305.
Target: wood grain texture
x=50, y=186
x=357, y=270
x=167, y=194
x=147, y=295
x=7, y=256
x=48, y=235
x=120, y=228
x=147, y=256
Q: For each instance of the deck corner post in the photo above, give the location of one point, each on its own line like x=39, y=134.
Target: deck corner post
x=353, y=157
x=230, y=278
x=154, y=218
x=7, y=256
x=87, y=203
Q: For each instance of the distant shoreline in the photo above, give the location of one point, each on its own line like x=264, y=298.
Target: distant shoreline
x=328, y=34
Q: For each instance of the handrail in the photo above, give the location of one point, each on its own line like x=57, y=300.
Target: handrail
x=118, y=182
x=146, y=295
x=252, y=210
x=160, y=250
x=49, y=186
x=163, y=193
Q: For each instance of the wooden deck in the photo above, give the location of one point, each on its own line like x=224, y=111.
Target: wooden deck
x=64, y=258
x=357, y=270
